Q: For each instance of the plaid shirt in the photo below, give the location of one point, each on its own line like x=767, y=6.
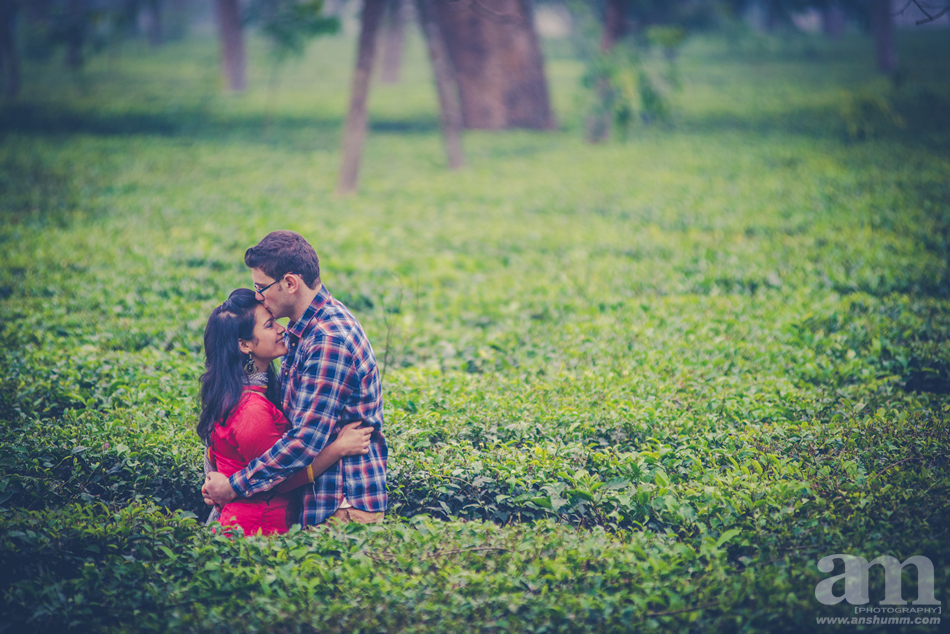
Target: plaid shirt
x=328, y=378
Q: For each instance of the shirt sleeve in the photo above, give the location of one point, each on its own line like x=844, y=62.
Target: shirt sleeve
x=328, y=376
x=298, y=479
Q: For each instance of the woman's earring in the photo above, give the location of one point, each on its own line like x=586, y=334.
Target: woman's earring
x=249, y=367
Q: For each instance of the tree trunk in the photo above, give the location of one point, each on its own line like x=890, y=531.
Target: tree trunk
x=833, y=21
x=8, y=55
x=232, y=44
x=882, y=26
x=494, y=49
x=354, y=133
x=75, y=30
x=393, y=40
x=446, y=84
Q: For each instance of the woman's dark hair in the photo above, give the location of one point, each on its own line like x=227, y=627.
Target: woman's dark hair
x=223, y=380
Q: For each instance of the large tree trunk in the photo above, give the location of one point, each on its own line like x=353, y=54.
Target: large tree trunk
x=393, y=40
x=833, y=20
x=445, y=82
x=882, y=26
x=494, y=49
x=354, y=133
x=9, y=61
x=75, y=32
x=232, y=44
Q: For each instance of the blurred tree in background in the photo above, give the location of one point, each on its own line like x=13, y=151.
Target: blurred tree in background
x=394, y=35
x=486, y=56
x=492, y=45
x=231, y=35
x=494, y=48
x=80, y=28
x=488, y=68
x=446, y=83
x=289, y=25
x=354, y=130
x=619, y=85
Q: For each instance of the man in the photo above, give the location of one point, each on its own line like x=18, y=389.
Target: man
x=328, y=378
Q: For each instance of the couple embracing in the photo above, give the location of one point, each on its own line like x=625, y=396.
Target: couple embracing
x=305, y=445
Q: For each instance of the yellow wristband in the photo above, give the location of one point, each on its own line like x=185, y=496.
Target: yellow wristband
x=310, y=472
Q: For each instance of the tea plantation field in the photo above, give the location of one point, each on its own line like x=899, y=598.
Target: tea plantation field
x=639, y=385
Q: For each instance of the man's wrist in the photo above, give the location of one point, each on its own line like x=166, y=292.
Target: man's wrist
x=237, y=485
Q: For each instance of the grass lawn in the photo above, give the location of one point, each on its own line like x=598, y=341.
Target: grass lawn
x=639, y=385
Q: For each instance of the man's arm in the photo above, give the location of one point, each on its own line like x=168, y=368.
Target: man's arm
x=327, y=380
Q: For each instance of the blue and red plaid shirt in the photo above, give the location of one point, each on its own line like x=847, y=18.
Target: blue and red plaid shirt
x=328, y=379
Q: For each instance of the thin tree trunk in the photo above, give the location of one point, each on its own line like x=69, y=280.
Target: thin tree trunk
x=497, y=58
x=882, y=26
x=354, y=133
x=393, y=40
x=232, y=44
x=74, y=35
x=8, y=56
x=446, y=85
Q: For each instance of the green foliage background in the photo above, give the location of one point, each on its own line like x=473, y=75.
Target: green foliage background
x=639, y=385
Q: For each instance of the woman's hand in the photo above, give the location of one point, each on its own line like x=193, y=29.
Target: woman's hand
x=353, y=441
x=217, y=489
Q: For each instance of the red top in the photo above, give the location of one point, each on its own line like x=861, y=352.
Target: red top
x=253, y=428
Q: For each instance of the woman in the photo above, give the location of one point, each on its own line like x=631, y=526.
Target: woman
x=240, y=419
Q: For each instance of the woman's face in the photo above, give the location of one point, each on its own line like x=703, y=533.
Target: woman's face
x=268, y=343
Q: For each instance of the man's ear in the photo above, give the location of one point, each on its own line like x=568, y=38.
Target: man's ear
x=293, y=284
x=244, y=346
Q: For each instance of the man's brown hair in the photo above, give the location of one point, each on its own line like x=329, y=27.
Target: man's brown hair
x=282, y=252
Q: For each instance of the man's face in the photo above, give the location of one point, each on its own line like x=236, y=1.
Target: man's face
x=274, y=295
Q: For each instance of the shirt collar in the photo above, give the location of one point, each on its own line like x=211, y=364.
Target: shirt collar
x=297, y=328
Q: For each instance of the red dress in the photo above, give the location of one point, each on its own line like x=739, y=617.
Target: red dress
x=253, y=427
